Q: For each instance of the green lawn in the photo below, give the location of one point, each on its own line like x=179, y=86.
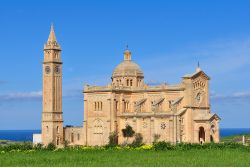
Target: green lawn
x=72, y=158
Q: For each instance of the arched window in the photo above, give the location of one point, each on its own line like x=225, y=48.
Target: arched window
x=126, y=105
x=98, y=105
x=57, y=141
x=47, y=129
x=57, y=129
x=201, y=135
x=117, y=105
x=131, y=82
x=72, y=137
x=127, y=82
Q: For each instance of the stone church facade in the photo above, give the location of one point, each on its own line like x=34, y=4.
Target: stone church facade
x=175, y=113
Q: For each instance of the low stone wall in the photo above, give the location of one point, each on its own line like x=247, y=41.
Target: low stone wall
x=73, y=135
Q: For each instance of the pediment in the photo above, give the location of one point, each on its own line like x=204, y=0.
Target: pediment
x=215, y=117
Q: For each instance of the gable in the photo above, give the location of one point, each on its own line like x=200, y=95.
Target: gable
x=200, y=74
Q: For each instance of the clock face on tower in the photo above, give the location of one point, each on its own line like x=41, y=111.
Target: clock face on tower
x=57, y=69
x=47, y=69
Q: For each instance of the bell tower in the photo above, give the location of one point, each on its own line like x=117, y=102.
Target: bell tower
x=52, y=118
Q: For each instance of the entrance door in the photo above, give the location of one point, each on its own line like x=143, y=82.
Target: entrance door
x=201, y=135
x=98, y=132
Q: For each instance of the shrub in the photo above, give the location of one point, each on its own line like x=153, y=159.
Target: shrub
x=17, y=146
x=27, y=146
x=137, y=141
x=113, y=139
x=38, y=146
x=66, y=144
x=51, y=146
x=162, y=145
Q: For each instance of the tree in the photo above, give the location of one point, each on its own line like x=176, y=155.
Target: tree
x=128, y=132
x=113, y=139
x=138, y=140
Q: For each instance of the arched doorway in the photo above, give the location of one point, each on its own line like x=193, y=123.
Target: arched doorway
x=211, y=138
x=212, y=132
x=201, y=135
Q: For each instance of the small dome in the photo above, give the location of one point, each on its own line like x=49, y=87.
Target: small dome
x=127, y=68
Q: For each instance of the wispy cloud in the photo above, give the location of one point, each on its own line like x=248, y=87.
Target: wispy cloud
x=37, y=95
x=34, y=95
x=217, y=57
x=73, y=93
x=234, y=96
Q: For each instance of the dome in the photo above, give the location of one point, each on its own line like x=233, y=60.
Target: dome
x=127, y=67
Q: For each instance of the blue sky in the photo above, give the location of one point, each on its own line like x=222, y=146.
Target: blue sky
x=167, y=39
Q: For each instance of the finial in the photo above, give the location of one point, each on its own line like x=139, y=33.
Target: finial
x=198, y=67
x=51, y=26
x=127, y=47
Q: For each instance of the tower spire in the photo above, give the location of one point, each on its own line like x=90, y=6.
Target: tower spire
x=52, y=36
x=51, y=42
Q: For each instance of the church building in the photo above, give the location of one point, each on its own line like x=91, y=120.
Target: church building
x=174, y=113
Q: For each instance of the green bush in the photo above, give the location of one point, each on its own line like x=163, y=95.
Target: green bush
x=38, y=146
x=51, y=146
x=66, y=144
x=17, y=146
x=136, y=145
x=113, y=139
x=162, y=145
x=137, y=141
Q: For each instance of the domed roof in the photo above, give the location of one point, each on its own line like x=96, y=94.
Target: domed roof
x=127, y=67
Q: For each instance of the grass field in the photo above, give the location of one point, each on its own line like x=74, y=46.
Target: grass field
x=236, y=138
x=72, y=158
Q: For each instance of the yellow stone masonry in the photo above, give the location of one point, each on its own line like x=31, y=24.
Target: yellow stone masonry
x=175, y=113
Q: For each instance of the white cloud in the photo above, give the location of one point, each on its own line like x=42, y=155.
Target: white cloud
x=234, y=96
x=37, y=95
x=21, y=96
x=217, y=57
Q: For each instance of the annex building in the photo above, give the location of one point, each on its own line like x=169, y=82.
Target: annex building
x=176, y=113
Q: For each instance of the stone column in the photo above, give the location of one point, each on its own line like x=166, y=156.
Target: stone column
x=152, y=129
x=178, y=129
x=85, y=123
x=171, y=131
